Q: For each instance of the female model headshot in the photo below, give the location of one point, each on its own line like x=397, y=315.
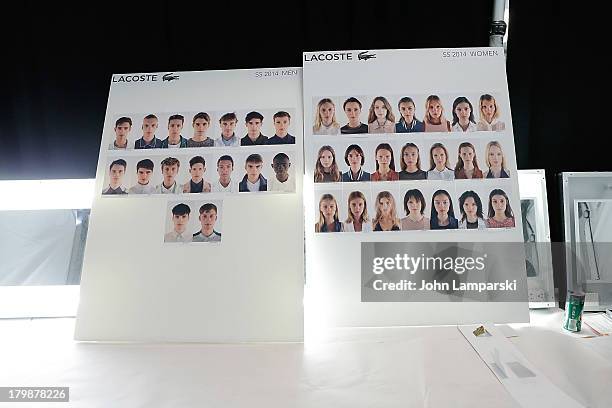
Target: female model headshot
x=467, y=164
x=352, y=109
x=325, y=118
x=385, y=164
x=380, y=116
x=355, y=159
x=442, y=214
x=408, y=122
x=414, y=206
x=471, y=211
x=489, y=114
x=496, y=161
x=463, y=116
x=411, y=163
x=326, y=168
x=434, y=115
x=386, y=214
x=328, y=215
x=439, y=166
x=500, y=212
x=357, y=220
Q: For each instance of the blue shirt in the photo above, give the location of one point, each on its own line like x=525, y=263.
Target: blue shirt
x=337, y=227
x=155, y=143
x=243, y=187
x=415, y=126
x=361, y=176
x=182, y=142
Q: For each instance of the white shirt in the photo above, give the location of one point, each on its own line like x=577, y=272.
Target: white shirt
x=174, y=189
x=445, y=174
x=233, y=141
x=142, y=189
x=253, y=187
x=174, y=236
x=217, y=187
x=496, y=125
x=288, y=186
x=471, y=127
x=365, y=227
x=174, y=146
x=327, y=130
x=113, y=147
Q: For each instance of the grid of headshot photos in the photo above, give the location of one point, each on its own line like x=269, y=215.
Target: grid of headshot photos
x=242, y=151
x=376, y=114
x=398, y=164
x=193, y=221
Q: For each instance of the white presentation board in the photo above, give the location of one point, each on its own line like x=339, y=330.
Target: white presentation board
x=390, y=129
x=196, y=229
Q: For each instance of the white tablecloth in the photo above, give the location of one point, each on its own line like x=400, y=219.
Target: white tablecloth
x=382, y=367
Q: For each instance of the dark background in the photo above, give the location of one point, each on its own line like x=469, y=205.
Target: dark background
x=58, y=60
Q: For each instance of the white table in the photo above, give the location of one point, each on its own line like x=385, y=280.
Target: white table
x=383, y=367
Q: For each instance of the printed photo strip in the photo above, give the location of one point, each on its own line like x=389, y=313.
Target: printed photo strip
x=230, y=163
x=193, y=221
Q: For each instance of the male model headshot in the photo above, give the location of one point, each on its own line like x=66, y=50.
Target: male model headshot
x=253, y=121
x=281, y=181
x=169, y=185
x=116, y=173
x=253, y=180
x=282, y=120
x=197, y=184
x=144, y=170
x=224, y=184
x=174, y=139
x=123, y=126
x=148, y=139
x=228, y=137
x=208, y=218
x=200, y=123
x=180, y=220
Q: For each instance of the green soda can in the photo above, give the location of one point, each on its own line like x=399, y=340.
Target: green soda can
x=574, y=304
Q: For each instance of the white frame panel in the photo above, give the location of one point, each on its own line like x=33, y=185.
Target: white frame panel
x=52, y=300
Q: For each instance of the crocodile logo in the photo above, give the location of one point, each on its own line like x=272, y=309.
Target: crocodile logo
x=170, y=77
x=364, y=56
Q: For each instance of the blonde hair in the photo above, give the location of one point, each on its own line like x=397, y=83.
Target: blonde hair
x=321, y=222
x=364, y=215
x=318, y=122
x=318, y=176
x=389, y=196
x=488, y=148
x=430, y=99
x=489, y=98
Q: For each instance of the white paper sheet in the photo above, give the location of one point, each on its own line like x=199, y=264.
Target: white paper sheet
x=249, y=286
x=527, y=385
x=333, y=262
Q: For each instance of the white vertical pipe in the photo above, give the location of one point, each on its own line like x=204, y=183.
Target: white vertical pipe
x=496, y=37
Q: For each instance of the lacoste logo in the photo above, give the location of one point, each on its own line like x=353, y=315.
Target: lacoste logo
x=170, y=77
x=364, y=56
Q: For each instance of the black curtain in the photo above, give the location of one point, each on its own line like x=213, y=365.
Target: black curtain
x=59, y=60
